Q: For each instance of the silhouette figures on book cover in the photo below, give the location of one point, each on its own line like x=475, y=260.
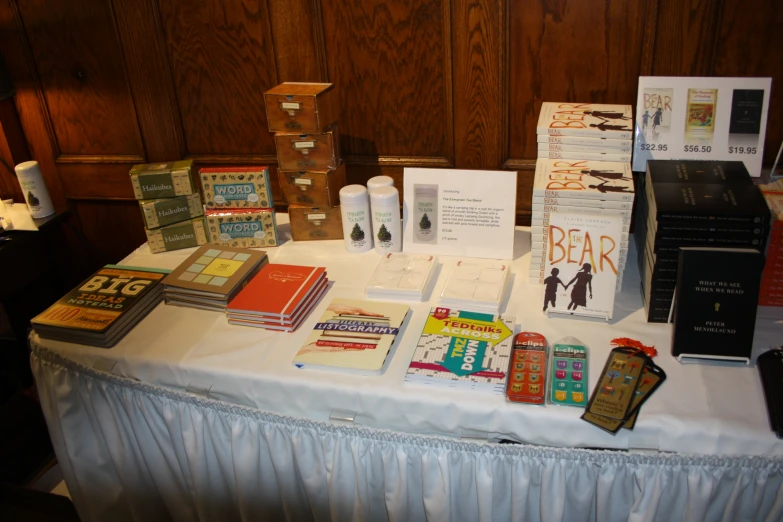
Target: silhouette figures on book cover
x=582, y=281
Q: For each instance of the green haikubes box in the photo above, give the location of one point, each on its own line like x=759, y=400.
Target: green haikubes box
x=242, y=228
x=162, y=180
x=185, y=234
x=162, y=212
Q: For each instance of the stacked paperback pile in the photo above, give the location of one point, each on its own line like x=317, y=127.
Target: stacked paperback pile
x=212, y=276
x=304, y=118
x=170, y=205
x=772, y=279
x=463, y=350
x=692, y=204
x=240, y=207
x=354, y=336
x=401, y=276
x=476, y=286
x=585, y=131
x=101, y=310
x=592, y=188
x=279, y=297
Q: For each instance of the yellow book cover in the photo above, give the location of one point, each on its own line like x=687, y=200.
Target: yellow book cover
x=354, y=335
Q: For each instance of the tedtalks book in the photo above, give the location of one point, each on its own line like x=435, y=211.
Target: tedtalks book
x=715, y=302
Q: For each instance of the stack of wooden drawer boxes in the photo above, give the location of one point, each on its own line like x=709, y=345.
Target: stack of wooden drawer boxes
x=304, y=118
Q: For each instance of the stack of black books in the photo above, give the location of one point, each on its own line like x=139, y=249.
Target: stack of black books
x=692, y=204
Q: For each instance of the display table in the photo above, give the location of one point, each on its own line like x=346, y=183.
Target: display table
x=190, y=418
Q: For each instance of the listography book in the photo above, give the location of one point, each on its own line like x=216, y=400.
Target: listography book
x=353, y=335
x=582, y=263
x=104, y=307
x=463, y=350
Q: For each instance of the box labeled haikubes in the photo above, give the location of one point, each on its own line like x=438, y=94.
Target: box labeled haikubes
x=162, y=180
x=161, y=212
x=185, y=234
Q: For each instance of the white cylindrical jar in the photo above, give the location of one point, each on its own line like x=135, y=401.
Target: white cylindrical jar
x=425, y=214
x=378, y=182
x=387, y=230
x=34, y=189
x=357, y=224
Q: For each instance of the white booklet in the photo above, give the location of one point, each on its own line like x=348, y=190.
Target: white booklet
x=401, y=275
x=476, y=285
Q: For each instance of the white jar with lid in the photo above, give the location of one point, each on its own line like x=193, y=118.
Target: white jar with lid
x=34, y=189
x=385, y=206
x=357, y=224
x=378, y=182
x=425, y=214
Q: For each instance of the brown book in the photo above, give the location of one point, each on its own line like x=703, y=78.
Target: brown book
x=213, y=274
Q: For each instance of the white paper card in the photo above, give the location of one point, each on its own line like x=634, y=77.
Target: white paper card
x=459, y=212
x=701, y=118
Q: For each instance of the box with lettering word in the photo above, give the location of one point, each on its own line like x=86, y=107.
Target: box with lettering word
x=236, y=187
x=251, y=228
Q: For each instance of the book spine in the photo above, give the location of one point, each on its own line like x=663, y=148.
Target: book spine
x=576, y=202
x=597, y=149
x=596, y=156
x=586, y=142
x=582, y=194
x=586, y=133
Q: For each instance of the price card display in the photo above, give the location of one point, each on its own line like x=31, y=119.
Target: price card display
x=701, y=118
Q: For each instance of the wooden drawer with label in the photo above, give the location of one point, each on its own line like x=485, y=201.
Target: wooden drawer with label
x=308, y=151
x=314, y=188
x=313, y=223
x=301, y=107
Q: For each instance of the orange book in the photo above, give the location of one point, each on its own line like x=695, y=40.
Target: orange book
x=277, y=291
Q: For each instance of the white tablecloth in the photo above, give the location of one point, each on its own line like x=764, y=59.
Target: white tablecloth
x=176, y=354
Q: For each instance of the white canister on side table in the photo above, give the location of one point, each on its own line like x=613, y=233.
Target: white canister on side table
x=357, y=225
x=387, y=229
x=34, y=189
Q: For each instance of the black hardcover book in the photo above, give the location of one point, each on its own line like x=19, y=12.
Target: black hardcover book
x=748, y=230
x=695, y=171
x=690, y=202
x=746, y=106
x=716, y=299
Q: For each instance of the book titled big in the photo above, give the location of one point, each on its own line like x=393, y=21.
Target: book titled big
x=107, y=302
x=715, y=302
x=277, y=290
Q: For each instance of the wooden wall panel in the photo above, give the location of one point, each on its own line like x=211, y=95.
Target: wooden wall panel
x=103, y=84
x=390, y=63
x=113, y=228
x=685, y=37
x=78, y=60
x=480, y=82
x=572, y=52
x=222, y=61
x=749, y=44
